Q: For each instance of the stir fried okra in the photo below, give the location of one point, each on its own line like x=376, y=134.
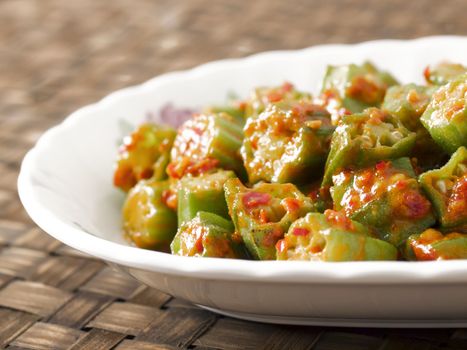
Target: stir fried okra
x=369, y=169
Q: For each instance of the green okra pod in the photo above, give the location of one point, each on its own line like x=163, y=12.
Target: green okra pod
x=350, y=89
x=207, y=142
x=365, y=138
x=407, y=103
x=202, y=193
x=386, y=197
x=263, y=214
x=445, y=118
x=287, y=143
x=143, y=154
x=332, y=237
x=443, y=72
x=433, y=245
x=208, y=235
x=447, y=189
x=147, y=221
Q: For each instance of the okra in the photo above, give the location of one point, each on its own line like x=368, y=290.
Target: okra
x=445, y=118
x=350, y=89
x=332, y=237
x=147, y=221
x=386, y=197
x=208, y=235
x=263, y=214
x=143, y=154
x=205, y=143
x=365, y=138
x=433, y=245
x=263, y=96
x=407, y=103
x=447, y=189
x=287, y=143
x=202, y=193
x=443, y=72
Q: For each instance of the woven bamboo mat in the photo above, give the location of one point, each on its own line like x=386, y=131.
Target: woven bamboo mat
x=58, y=55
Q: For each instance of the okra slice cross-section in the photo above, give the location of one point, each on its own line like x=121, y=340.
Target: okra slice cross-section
x=386, y=197
x=433, y=245
x=407, y=103
x=365, y=138
x=445, y=118
x=147, y=221
x=443, y=72
x=203, y=193
x=287, y=143
x=332, y=237
x=208, y=235
x=263, y=214
x=205, y=143
x=143, y=154
x=447, y=189
x=349, y=89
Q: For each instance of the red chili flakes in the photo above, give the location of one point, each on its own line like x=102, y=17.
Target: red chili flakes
x=199, y=244
x=263, y=216
x=254, y=199
x=273, y=236
x=426, y=73
x=281, y=246
x=291, y=204
x=382, y=165
x=274, y=96
x=401, y=184
x=413, y=205
x=124, y=177
x=364, y=90
x=458, y=200
x=186, y=166
x=287, y=87
x=338, y=218
x=300, y=231
x=169, y=198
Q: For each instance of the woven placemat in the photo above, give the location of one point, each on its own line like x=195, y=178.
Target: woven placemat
x=58, y=55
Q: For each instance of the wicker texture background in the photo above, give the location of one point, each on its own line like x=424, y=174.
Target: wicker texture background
x=56, y=56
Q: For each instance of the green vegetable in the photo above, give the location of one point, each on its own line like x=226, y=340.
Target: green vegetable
x=147, y=221
x=446, y=116
x=349, y=89
x=263, y=214
x=208, y=235
x=407, y=103
x=433, y=245
x=263, y=96
x=332, y=237
x=447, y=189
x=203, y=193
x=287, y=143
x=443, y=72
x=365, y=138
x=386, y=197
x=143, y=154
x=207, y=142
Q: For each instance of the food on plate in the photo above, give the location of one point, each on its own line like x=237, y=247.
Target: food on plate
x=369, y=169
x=332, y=237
x=445, y=118
x=433, y=245
x=208, y=235
x=447, y=189
x=147, y=220
x=262, y=214
x=385, y=197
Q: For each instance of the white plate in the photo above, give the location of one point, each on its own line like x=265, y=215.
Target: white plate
x=65, y=185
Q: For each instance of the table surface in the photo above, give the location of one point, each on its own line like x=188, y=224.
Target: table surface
x=56, y=56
